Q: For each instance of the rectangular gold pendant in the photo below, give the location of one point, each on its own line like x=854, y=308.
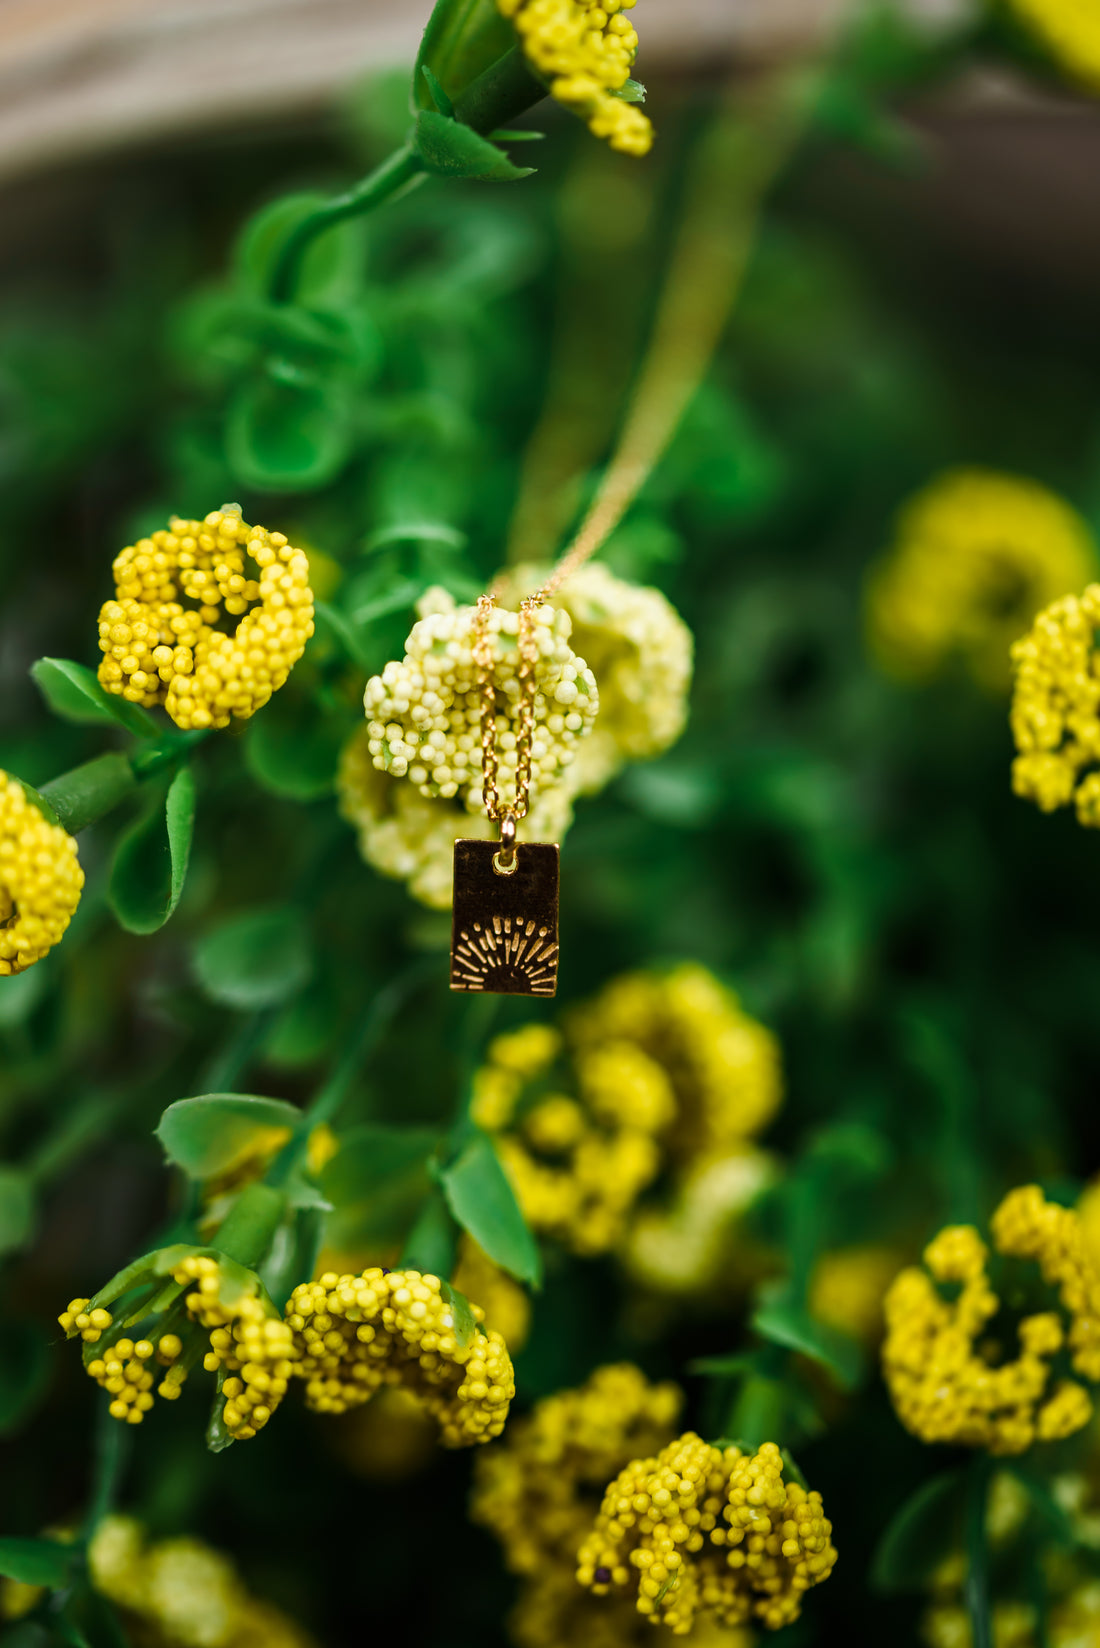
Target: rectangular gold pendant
x=504, y=938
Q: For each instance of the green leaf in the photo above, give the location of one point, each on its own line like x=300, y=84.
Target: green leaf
x=217, y=1436
x=482, y=1200
x=16, y=1209
x=284, y=437
x=464, y=1319
x=150, y=863
x=331, y=269
x=925, y=1529
x=209, y=1135
x=450, y=149
x=72, y=691
x=254, y=960
x=438, y=95
x=36, y=1561
x=293, y=748
x=430, y=1244
x=791, y=1325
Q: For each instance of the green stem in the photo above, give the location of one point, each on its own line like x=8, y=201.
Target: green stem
x=399, y=172
x=364, y=1038
x=111, y=1448
x=979, y=1473
x=87, y=1121
x=507, y=88
x=86, y=793
x=234, y=1055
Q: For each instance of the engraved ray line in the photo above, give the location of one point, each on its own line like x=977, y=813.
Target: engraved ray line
x=483, y=950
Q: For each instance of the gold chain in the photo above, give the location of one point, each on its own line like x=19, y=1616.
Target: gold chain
x=705, y=273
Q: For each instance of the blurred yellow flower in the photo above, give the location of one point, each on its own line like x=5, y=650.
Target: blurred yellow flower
x=1070, y=31
x=658, y=1069
x=641, y=653
x=180, y=1593
x=539, y=1490
x=848, y=1287
x=976, y=555
x=1055, y=713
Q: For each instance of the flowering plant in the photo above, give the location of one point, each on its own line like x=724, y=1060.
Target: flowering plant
x=754, y=1285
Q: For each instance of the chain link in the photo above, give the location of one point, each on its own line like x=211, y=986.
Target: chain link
x=483, y=650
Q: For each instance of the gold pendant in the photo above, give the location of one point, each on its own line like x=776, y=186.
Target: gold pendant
x=504, y=938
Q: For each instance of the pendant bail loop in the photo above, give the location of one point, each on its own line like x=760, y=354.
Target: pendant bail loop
x=504, y=861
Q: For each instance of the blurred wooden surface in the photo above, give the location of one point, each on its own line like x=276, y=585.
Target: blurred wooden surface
x=83, y=76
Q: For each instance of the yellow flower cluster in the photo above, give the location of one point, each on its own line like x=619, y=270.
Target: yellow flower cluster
x=357, y=1333
x=662, y=1517
x=1056, y=708
x=539, y=1490
x=125, y=1369
x=424, y=711
x=40, y=880
x=180, y=1593
x=1070, y=31
x=409, y=837
x=248, y=1341
x=655, y=1068
x=585, y=50
x=977, y=555
x=641, y=653
x=159, y=650
x=942, y=1378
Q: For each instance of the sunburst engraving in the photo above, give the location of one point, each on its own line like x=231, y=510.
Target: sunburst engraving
x=510, y=955
x=504, y=929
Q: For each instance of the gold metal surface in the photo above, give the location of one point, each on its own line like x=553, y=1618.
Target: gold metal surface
x=504, y=940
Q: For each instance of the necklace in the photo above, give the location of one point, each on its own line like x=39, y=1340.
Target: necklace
x=504, y=937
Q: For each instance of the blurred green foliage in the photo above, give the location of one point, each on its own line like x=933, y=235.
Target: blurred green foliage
x=843, y=851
